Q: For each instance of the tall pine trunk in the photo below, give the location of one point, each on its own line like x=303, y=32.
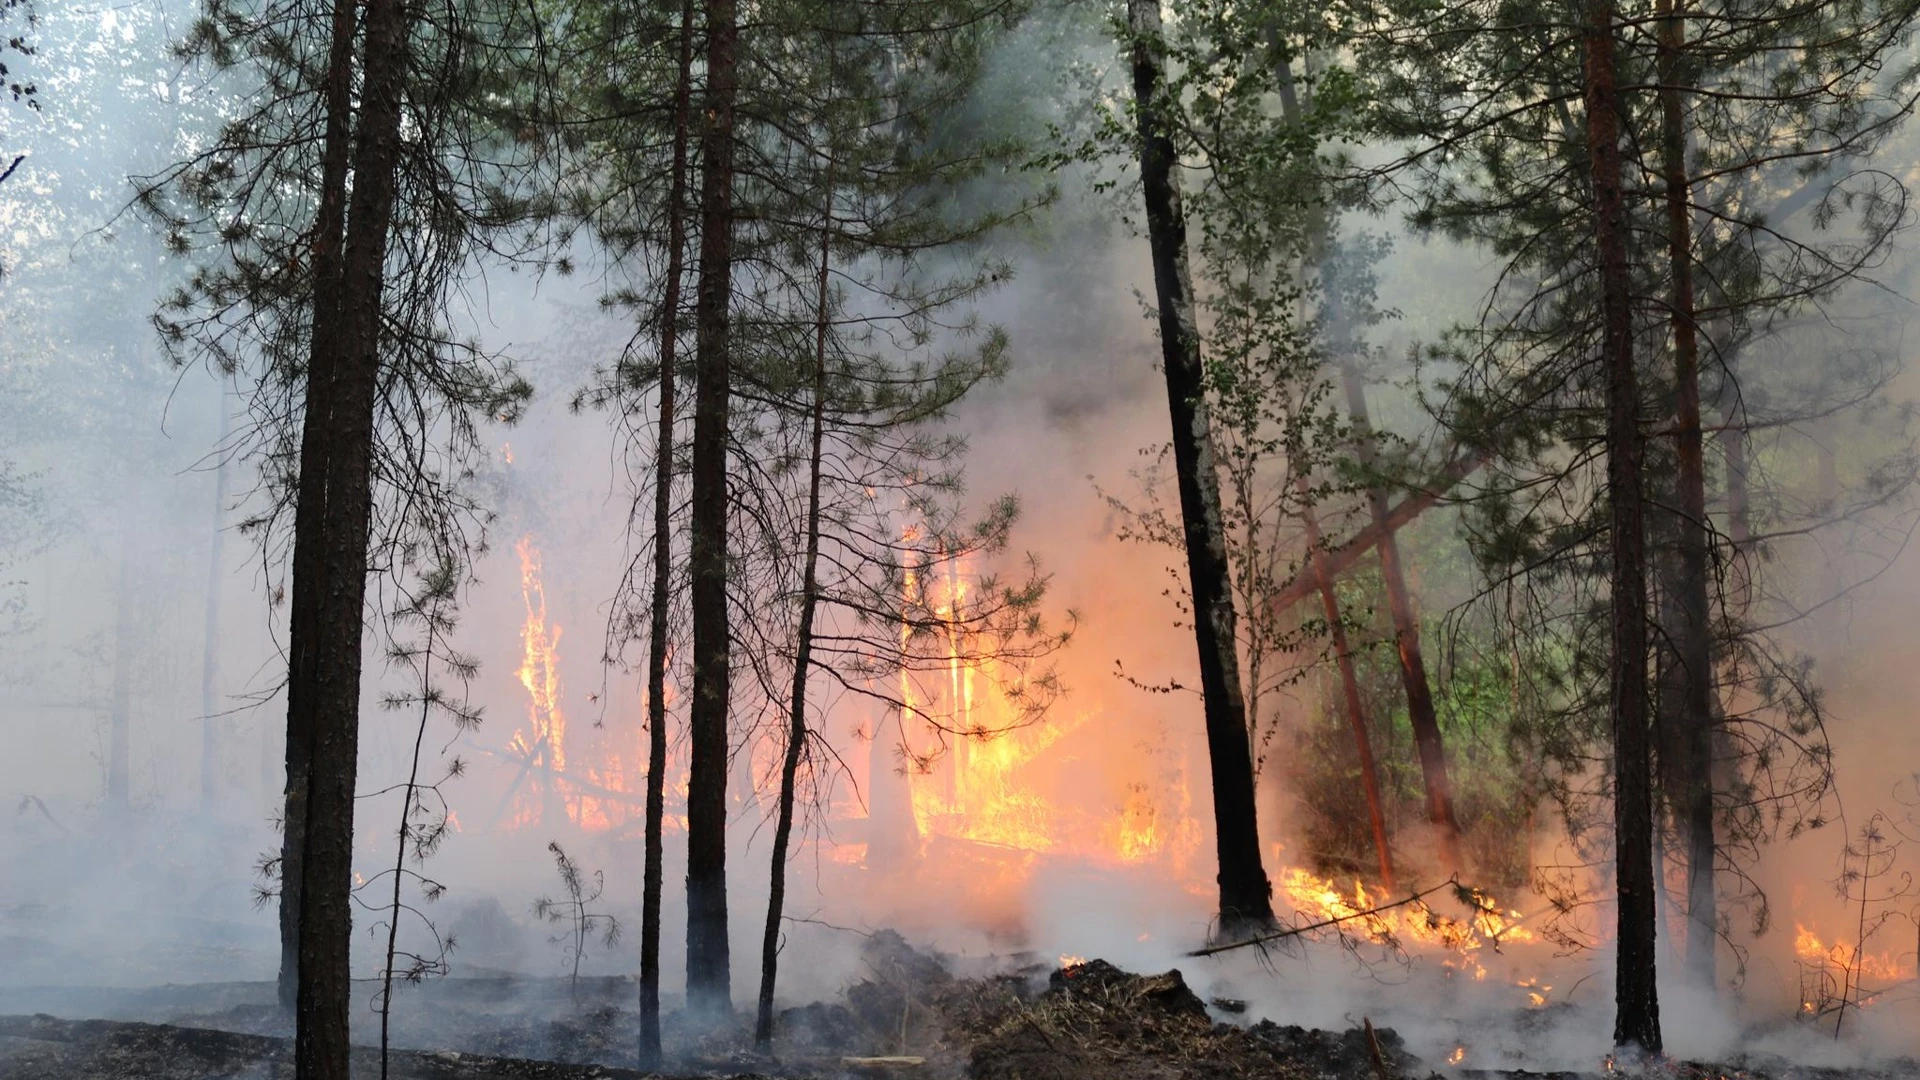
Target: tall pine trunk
x=1693, y=673
x=803, y=643
x=663, y=560
x=1349, y=685
x=709, y=980
x=1246, y=896
x=310, y=515
x=321, y=1048
x=1406, y=638
x=1637, y=1016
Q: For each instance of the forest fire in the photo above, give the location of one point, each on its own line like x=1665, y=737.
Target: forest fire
x=594, y=792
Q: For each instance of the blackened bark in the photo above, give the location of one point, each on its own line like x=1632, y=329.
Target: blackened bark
x=321, y=1049
x=1637, y=1016
x=1246, y=896
x=709, y=992
x=649, y=1050
x=1693, y=671
x=803, y=646
x=1349, y=684
x=310, y=514
x=1421, y=713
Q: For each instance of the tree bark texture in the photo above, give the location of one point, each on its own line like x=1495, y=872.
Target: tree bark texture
x=310, y=514
x=1693, y=642
x=709, y=981
x=1406, y=639
x=1246, y=903
x=1637, y=1015
x=661, y=600
x=321, y=1048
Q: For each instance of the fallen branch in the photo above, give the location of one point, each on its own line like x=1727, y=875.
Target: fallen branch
x=1296, y=931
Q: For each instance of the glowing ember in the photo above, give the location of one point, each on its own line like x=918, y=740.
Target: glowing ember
x=1459, y=1054
x=1068, y=963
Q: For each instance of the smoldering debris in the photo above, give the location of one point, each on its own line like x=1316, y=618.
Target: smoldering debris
x=912, y=1015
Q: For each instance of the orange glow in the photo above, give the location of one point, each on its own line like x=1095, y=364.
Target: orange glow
x=1070, y=962
x=594, y=793
x=1879, y=967
x=1414, y=925
x=1459, y=1055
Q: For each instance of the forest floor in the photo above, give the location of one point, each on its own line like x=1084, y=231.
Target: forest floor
x=910, y=1019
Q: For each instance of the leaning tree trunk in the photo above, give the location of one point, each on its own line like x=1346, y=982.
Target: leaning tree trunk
x=1349, y=684
x=310, y=514
x=649, y=1050
x=1406, y=637
x=1693, y=772
x=1246, y=896
x=321, y=1048
x=709, y=992
x=1637, y=1016
x=803, y=646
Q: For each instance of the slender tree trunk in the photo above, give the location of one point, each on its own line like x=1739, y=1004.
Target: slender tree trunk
x=1637, y=1017
x=803, y=648
x=210, y=652
x=310, y=516
x=1694, y=645
x=401, y=837
x=321, y=1049
x=1246, y=896
x=1406, y=638
x=1349, y=683
x=709, y=980
x=120, y=716
x=663, y=560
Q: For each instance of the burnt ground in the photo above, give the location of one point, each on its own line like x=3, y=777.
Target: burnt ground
x=909, y=1019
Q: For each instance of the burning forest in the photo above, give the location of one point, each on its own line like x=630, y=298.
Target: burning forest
x=963, y=539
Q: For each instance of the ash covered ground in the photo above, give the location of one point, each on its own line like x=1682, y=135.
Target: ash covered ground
x=911, y=1016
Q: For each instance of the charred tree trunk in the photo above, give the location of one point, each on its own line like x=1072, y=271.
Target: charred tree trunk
x=1246, y=896
x=210, y=651
x=709, y=992
x=1693, y=670
x=649, y=1050
x=311, y=515
x=1424, y=717
x=321, y=1049
x=120, y=714
x=1349, y=684
x=803, y=646
x=1637, y=1017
